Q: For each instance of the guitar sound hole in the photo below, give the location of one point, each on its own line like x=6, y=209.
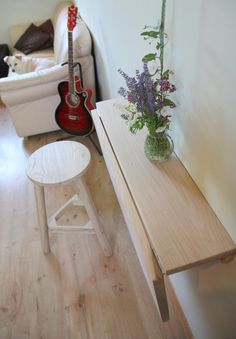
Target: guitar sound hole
x=73, y=100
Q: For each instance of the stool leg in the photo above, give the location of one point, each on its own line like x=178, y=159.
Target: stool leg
x=86, y=198
x=42, y=217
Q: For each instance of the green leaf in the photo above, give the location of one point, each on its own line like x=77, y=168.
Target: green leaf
x=167, y=102
x=149, y=57
x=150, y=34
x=158, y=45
x=166, y=73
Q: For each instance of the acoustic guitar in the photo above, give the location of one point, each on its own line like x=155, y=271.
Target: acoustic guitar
x=73, y=113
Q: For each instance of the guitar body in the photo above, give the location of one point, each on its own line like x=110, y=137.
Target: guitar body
x=74, y=118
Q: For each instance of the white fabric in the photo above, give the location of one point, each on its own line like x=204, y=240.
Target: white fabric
x=81, y=36
x=32, y=98
x=41, y=118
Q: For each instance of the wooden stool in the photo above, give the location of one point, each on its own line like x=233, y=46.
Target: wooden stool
x=60, y=163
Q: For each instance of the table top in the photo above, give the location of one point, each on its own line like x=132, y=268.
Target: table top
x=58, y=163
x=182, y=228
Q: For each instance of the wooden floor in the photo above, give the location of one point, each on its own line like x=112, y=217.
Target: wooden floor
x=74, y=292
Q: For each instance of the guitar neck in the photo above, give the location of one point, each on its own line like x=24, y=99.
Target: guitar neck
x=70, y=64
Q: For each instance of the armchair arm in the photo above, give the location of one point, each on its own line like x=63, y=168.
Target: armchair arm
x=30, y=79
x=31, y=86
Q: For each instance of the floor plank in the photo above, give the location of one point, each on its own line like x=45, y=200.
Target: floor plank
x=74, y=292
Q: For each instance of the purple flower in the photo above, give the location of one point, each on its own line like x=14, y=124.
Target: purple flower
x=141, y=90
x=149, y=94
x=164, y=85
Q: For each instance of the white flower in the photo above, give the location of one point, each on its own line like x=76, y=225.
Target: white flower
x=133, y=118
x=164, y=112
x=161, y=129
x=152, y=67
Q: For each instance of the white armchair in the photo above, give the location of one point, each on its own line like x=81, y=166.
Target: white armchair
x=33, y=97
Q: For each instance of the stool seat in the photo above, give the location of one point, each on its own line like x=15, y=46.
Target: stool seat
x=58, y=163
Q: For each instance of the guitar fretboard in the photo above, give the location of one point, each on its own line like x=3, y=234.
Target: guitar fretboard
x=70, y=64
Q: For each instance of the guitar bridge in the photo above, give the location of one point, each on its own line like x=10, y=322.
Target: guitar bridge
x=72, y=117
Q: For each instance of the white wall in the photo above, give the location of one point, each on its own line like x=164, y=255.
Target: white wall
x=18, y=11
x=202, y=52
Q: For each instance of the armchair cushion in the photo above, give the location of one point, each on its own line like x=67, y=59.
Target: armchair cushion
x=47, y=27
x=33, y=39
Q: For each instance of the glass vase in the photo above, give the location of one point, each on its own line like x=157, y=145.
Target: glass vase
x=158, y=147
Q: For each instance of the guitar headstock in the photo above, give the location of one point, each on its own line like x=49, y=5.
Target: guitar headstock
x=72, y=16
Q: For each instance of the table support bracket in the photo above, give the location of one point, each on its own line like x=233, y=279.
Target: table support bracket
x=227, y=259
x=160, y=290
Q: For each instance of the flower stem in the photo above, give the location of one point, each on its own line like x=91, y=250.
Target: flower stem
x=162, y=32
